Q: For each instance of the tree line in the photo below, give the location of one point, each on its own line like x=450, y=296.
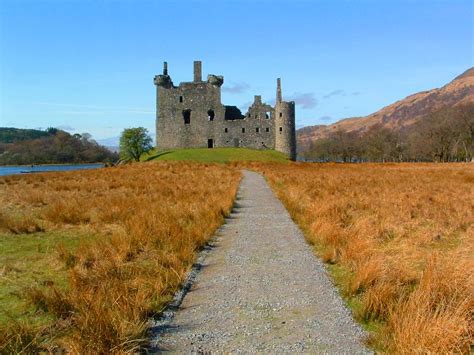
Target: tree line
x=53, y=147
x=446, y=135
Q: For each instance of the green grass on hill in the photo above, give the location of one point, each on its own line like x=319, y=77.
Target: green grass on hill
x=219, y=155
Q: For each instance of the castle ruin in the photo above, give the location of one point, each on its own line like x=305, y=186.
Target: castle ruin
x=191, y=115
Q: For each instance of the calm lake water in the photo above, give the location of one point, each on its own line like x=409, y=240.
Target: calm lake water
x=24, y=169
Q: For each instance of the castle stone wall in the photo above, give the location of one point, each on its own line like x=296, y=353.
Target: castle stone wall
x=191, y=114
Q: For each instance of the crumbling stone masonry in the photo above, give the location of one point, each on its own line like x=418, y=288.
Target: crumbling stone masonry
x=191, y=115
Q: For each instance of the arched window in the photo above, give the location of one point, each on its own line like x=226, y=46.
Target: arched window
x=210, y=115
x=187, y=116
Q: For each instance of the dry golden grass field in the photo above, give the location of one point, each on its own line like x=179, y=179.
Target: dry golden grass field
x=86, y=257
x=399, y=241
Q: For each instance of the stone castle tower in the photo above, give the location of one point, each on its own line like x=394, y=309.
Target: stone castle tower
x=191, y=115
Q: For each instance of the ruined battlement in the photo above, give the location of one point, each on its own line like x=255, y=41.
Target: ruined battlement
x=191, y=115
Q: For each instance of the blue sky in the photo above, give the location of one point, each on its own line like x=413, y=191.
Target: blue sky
x=87, y=66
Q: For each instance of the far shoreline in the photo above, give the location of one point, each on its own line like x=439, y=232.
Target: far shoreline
x=49, y=164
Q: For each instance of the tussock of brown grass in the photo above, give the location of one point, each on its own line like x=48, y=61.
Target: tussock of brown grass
x=405, y=235
x=21, y=337
x=19, y=223
x=150, y=220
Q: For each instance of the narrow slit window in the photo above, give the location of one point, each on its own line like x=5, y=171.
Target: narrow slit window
x=243, y=130
x=281, y=129
x=180, y=99
x=267, y=129
x=257, y=129
x=225, y=130
x=281, y=114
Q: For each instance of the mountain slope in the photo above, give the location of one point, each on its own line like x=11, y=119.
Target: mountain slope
x=401, y=113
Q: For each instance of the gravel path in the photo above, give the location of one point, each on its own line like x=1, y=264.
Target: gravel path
x=260, y=289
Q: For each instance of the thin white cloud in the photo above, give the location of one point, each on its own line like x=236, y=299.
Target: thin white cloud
x=236, y=88
x=306, y=100
x=338, y=92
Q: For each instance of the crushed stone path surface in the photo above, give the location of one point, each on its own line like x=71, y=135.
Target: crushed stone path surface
x=260, y=289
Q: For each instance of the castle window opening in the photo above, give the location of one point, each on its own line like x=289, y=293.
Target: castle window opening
x=210, y=115
x=187, y=116
x=257, y=124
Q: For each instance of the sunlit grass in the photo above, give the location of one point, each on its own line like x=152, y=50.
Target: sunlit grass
x=32, y=260
x=86, y=257
x=399, y=241
x=219, y=155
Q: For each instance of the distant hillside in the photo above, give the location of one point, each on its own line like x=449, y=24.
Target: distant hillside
x=29, y=146
x=400, y=114
x=11, y=135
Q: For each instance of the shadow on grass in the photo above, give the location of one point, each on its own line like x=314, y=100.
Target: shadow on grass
x=156, y=156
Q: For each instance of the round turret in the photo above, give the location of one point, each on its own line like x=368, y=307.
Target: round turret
x=285, y=135
x=163, y=80
x=216, y=80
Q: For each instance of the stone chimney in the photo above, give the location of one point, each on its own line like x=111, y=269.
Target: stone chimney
x=278, y=98
x=197, y=71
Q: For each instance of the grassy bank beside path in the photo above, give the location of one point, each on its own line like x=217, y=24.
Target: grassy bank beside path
x=86, y=257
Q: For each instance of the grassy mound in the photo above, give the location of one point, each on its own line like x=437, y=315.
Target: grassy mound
x=219, y=155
